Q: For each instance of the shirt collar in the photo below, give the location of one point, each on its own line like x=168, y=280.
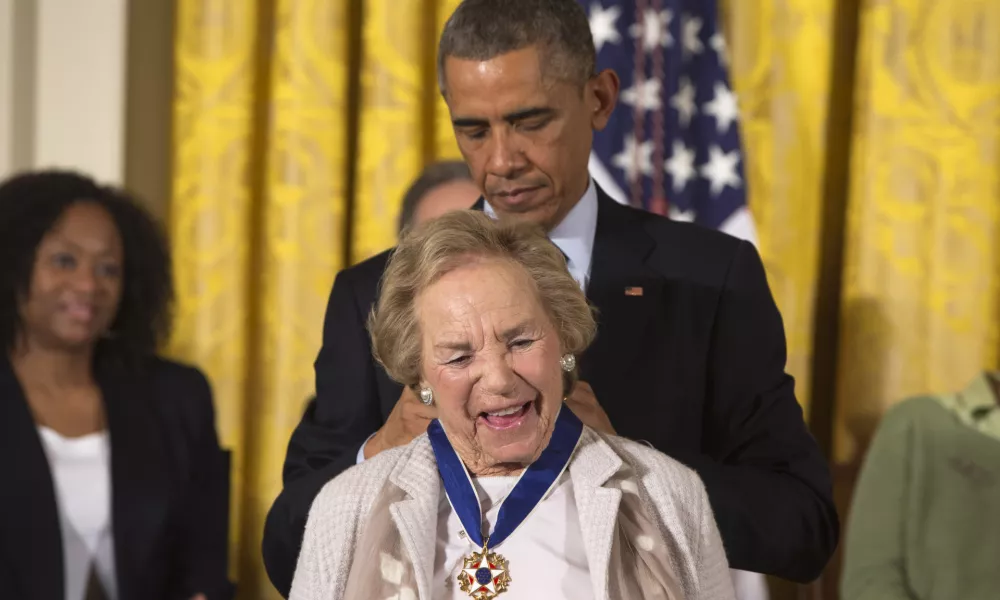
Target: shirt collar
x=977, y=406
x=574, y=235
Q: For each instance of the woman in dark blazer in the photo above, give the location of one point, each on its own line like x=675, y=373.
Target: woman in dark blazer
x=112, y=482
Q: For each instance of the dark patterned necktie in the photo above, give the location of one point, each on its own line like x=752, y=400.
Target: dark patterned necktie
x=95, y=591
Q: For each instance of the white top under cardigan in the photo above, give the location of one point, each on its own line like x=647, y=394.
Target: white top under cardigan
x=81, y=473
x=547, y=550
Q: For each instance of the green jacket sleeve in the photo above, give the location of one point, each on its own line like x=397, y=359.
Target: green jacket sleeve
x=874, y=554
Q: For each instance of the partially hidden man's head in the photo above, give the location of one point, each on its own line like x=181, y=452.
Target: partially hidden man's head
x=520, y=81
x=442, y=187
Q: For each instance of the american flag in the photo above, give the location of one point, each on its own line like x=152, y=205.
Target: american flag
x=673, y=143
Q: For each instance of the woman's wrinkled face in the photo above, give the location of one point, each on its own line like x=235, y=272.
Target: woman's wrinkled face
x=491, y=356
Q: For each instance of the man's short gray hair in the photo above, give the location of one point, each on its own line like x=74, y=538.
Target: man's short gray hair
x=434, y=175
x=484, y=29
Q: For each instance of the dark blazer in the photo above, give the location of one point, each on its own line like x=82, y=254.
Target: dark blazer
x=169, y=489
x=694, y=365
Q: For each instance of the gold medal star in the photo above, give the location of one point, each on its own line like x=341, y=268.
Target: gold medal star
x=484, y=575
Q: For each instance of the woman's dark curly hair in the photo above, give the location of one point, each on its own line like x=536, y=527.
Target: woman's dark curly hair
x=30, y=206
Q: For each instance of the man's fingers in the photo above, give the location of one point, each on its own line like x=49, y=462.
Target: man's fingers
x=583, y=394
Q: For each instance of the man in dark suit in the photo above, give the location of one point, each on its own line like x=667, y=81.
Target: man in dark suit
x=690, y=351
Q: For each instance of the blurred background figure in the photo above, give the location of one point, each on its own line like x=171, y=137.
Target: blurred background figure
x=925, y=521
x=442, y=187
x=114, y=485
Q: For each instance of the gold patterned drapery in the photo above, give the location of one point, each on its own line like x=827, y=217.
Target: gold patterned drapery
x=210, y=211
x=888, y=174
x=780, y=66
x=921, y=295
x=272, y=97
x=871, y=132
x=402, y=122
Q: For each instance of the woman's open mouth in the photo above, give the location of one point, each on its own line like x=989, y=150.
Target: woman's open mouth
x=507, y=418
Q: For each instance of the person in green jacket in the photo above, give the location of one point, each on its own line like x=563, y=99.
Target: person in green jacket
x=925, y=521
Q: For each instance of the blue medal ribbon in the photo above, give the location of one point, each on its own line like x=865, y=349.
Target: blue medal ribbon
x=534, y=483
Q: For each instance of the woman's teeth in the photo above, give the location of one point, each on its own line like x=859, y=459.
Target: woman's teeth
x=508, y=411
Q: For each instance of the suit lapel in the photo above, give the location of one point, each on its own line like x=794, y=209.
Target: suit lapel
x=140, y=489
x=594, y=463
x=29, y=516
x=416, y=517
x=625, y=291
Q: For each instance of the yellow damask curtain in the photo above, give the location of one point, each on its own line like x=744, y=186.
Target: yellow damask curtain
x=921, y=295
x=403, y=122
x=889, y=173
x=871, y=131
x=296, y=123
x=210, y=215
x=780, y=66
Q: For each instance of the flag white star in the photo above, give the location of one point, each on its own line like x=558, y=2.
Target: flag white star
x=720, y=170
x=645, y=95
x=654, y=29
x=718, y=43
x=692, y=32
x=677, y=214
x=635, y=158
x=680, y=166
x=603, y=25
x=683, y=101
x=723, y=107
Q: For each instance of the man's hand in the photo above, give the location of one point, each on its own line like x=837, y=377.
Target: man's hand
x=408, y=419
x=584, y=405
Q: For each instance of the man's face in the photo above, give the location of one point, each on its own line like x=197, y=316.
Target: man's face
x=459, y=194
x=526, y=136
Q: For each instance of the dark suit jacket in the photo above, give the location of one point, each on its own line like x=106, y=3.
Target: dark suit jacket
x=169, y=489
x=694, y=365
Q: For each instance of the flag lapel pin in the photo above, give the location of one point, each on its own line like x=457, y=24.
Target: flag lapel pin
x=633, y=290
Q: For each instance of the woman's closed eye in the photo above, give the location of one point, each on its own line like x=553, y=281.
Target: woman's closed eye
x=521, y=343
x=458, y=361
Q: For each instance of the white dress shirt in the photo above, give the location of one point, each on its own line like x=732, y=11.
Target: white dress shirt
x=574, y=235
x=546, y=553
x=81, y=474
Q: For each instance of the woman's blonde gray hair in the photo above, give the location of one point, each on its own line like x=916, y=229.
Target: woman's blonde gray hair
x=436, y=248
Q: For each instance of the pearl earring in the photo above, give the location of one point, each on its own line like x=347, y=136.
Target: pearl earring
x=567, y=362
x=426, y=396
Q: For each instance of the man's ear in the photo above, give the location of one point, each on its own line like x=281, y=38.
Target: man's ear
x=602, y=96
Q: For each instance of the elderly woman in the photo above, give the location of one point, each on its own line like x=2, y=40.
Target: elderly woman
x=507, y=493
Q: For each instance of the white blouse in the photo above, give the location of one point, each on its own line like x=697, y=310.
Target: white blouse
x=545, y=554
x=81, y=471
